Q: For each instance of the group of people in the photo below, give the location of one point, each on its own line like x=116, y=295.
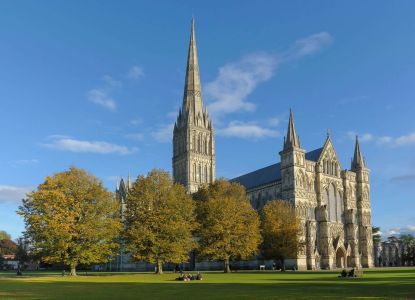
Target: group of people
x=188, y=277
x=345, y=274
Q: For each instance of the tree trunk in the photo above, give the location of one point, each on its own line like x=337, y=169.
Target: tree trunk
x=226, y=267
x=282, y=264
x=73, y=270
x=159, y=268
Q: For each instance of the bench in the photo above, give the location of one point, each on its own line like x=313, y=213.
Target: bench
x=262, y=267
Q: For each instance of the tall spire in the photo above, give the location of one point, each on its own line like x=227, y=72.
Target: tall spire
x=292, y=140
x=358, y=161
x=192, y=99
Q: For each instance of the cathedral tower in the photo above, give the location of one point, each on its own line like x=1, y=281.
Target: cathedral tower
x=193, y=137
x=363, y=207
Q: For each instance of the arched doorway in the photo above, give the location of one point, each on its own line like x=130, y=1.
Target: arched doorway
x=340, y=258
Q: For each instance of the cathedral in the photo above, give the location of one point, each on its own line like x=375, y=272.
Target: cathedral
x=332, y=203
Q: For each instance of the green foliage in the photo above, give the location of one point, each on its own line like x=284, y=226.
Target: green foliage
x=376, y=235
x=408, y=248
x=72, y=219
x=229, y=226
x=281, y=229
x=4, y=235
x=160, y=220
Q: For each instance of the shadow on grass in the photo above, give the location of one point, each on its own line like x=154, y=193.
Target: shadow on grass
x=271, y=287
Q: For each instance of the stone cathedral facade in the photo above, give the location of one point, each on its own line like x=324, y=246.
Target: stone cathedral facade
x=193, y=136
x=332, y=203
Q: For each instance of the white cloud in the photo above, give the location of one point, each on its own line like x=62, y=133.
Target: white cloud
x=235, y=81
x=79, y=146
x=111, y=82
x=365, y=137
x=409, y=229
x=274, y=122
x=403, y=140
x=403, y=178
x=9, y=193
x=163, y=133
x=101, y=97
x=246, y=131
x=309, y=45
x=23, y=162
x=135, y=72
x=136, y=121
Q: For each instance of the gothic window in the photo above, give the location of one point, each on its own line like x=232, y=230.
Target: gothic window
x=206, y=173
x=206, y=146
x=194, y=172
x=339, y=207
x=331, y=194
x=199, y=172
x=194, y=142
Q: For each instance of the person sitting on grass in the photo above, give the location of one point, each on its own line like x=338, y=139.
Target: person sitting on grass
x=343, y=274
x=351, y=273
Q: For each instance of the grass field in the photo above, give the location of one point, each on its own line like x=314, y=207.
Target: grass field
x=375, y=283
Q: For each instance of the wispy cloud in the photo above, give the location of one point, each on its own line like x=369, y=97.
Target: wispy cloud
x=10, y=193
x=365, y=137
x=23, y=162
x=135, y=72
x=409, y=229
x=235, y=81
x=163, y=134
x=82, y=146
x=247, y=131
x=101, y=97
x=308, y=45
x=403, y=178
x=110, y=81
x=136, y=121
x=400, y=141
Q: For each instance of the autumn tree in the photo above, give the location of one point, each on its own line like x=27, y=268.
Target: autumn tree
x=160, y=219
x=72, y=219
x=4, y=235
x=281, y=229
x=229, y=226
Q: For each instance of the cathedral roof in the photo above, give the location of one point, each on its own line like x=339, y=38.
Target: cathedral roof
x=260, y=177
x=314, y=155
x=271, y=173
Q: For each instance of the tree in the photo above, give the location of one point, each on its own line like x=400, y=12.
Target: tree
x=229, y=226
x=4, y=235
x=22, y=252
x=72, y=219
x=408, y=248
x=376, y=235
x=7, y=247
x=160, y=220
x=281, y=229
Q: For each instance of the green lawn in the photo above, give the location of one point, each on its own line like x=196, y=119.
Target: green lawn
x=375, y=283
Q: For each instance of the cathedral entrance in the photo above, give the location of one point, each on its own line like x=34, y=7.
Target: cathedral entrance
x=340, y=258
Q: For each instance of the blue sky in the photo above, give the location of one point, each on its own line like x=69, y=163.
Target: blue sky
x=97, y=84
